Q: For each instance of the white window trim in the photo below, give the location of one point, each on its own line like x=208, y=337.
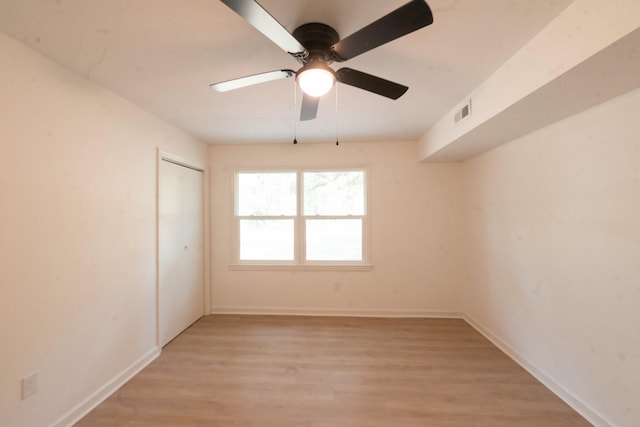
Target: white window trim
x=299, y=263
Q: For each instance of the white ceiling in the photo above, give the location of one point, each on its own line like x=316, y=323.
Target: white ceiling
x=163, y=54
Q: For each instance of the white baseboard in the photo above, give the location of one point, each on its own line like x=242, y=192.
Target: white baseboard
x=83, y=408
x=569, y=398
x=347, y=312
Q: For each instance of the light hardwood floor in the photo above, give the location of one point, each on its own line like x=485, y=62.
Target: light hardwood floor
x=332, y=372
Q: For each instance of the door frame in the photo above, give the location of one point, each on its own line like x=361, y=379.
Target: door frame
x=162, y=156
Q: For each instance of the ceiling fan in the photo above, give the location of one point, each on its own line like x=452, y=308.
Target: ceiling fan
x=316, y=45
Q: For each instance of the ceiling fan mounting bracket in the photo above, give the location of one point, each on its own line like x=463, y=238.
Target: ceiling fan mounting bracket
x=317, y=38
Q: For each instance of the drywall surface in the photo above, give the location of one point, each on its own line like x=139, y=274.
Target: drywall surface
x=582, y=30
x=413, y=214
x=77, y=235
x=553, y=226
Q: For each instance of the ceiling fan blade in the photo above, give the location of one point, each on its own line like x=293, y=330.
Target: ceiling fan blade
x=309, y=108
x=402, y=21
x=262, y=20
x=252, y=80
x=370, y=83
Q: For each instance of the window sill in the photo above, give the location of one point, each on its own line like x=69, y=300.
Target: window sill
x=301, y=267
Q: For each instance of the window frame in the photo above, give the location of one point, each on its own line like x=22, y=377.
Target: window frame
x=299, y=261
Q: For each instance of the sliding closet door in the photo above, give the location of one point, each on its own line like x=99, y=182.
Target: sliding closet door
x=180, y=252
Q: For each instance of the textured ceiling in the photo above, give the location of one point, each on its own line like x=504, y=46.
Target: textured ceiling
x=163, y=54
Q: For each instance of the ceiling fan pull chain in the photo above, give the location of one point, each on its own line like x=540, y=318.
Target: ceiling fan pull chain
x=295, y=109
x=337, y=119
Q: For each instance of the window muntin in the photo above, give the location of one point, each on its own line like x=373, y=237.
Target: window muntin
x=312, y=217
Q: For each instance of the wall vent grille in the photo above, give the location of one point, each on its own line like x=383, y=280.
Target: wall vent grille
x=463, y=113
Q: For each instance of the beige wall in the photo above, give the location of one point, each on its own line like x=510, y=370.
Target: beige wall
x=414, y=212
x=77, y=234
x=553, y=238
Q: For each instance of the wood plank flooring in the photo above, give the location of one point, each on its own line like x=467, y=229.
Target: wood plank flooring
x=332, y=372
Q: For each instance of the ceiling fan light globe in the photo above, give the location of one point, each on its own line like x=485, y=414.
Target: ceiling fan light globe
x=316, y=81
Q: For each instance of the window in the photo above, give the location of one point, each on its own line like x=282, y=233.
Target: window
x=301, y=218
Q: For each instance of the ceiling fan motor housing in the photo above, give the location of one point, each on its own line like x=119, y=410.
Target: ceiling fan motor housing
x=317, y=38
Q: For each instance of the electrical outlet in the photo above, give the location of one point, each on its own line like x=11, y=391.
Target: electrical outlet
x=29, y=385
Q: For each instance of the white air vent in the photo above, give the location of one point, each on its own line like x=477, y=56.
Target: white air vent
x=463, y=113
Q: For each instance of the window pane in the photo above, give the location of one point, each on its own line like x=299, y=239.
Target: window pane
x=334, y=193
x=267, y=194
x=334, y=239
x=266, y=239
